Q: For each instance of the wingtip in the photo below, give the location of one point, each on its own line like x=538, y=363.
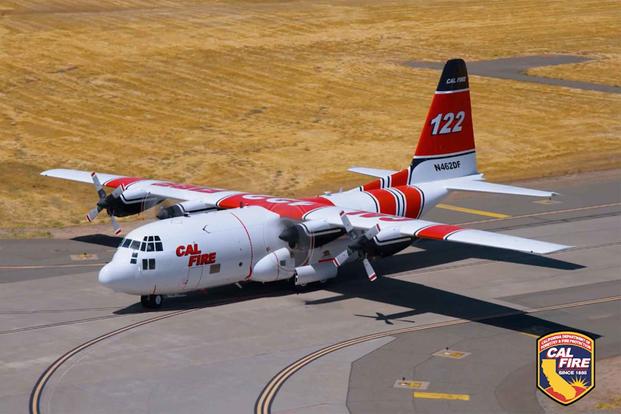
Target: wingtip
x=557, y=248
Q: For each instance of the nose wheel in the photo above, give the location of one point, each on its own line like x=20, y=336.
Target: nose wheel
x=152, y=301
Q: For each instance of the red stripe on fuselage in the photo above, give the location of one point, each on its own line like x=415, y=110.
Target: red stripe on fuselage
x=399, y=178
x=396, y=179
x=373, y=185
x=285, y=207
x=386, y=200
x=438, y=231
x=413, y=200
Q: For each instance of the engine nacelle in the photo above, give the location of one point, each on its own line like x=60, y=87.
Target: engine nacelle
x=130, y=201
x=276, y=265
x=388, y=242
x=185, y=208
x=314, y=273
x=310, y=234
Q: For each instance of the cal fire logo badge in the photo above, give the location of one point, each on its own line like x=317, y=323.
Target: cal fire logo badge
x=565, y=366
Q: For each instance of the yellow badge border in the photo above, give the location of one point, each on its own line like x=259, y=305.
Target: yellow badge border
x=538, y=370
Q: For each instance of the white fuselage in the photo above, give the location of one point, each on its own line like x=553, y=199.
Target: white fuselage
x=206, y=250
x=222, y=247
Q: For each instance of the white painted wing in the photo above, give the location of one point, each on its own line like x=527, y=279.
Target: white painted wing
x=77, y=175
x=504, y=241
x=138, y=188
x=435, y=231
x=373, y=172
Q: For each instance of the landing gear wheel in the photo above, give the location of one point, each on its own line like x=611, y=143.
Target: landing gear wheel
x=152, y=301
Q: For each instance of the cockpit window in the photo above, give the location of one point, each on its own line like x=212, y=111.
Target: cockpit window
x=149, y=244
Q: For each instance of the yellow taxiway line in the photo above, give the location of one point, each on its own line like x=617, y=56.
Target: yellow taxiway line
x=441, y=396
x=473, y=211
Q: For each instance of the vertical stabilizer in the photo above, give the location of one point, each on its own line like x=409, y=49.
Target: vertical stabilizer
x=446, y=145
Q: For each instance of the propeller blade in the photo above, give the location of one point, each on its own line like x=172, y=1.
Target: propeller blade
x=341, y=258
x=90, y=216
x=116, y=193
x=369, y=269
x=98, y=186
x=96, y=180
x=349, y=228
x=372, y=232
x=115, y=225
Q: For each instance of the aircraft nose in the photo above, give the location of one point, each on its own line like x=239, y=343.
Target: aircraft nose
x=115, y=277
x=105, y=275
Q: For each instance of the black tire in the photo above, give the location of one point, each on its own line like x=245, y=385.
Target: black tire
x=152, y=301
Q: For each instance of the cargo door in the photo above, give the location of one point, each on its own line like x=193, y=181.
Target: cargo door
x=193, y=277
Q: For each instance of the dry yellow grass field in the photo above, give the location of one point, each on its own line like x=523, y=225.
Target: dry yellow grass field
x=281, y=97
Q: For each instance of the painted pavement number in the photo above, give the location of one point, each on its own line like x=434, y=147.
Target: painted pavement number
x=565, y=366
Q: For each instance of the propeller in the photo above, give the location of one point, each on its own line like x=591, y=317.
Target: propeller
x=357, y=246
x=104, y=203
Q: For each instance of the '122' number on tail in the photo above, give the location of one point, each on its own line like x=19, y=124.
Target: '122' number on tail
x=448, y=119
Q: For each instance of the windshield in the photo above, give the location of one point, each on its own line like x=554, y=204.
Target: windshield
x=148, y=244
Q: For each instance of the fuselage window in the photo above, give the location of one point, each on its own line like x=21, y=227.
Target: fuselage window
x=148, y=264
x=135, y=245
x=158, y=244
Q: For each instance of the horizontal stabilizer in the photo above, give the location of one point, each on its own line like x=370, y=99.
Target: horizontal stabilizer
x=373, y=172
x=485, y=187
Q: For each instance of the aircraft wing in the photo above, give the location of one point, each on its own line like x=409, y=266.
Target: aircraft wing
x=435, y=231
x=309, y=209
x=139, y=187
x=80, y=176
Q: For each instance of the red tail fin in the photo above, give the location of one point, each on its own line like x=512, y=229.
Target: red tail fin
x=447, y=134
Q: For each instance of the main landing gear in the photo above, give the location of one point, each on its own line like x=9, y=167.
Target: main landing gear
x=152, y=301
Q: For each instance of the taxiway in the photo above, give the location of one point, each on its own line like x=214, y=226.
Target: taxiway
x=460, y=322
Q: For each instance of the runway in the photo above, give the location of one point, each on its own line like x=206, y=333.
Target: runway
x=459, y=322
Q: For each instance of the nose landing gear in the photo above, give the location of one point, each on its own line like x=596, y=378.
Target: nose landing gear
x=151, y=301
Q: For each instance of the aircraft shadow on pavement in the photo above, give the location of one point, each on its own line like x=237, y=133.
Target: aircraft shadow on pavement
x=352, y=283
x=100, y=239
x=422, y=299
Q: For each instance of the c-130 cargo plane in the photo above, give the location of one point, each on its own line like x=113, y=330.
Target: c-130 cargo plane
x=214, y=237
